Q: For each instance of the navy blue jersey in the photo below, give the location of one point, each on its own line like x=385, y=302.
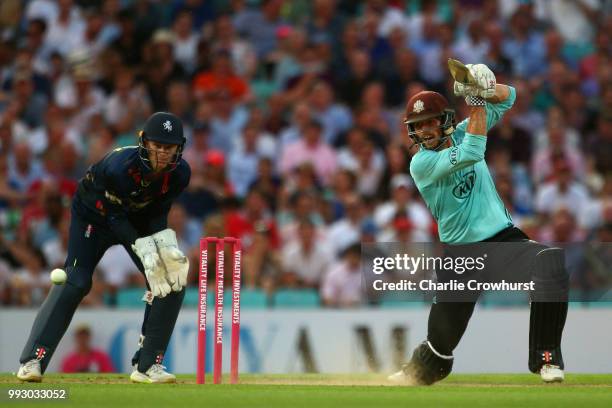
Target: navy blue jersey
x=122, y=193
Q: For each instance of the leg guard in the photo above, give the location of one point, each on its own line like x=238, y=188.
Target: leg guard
x=546, y=324
x=148, y=299
x=548, y=309
x=158, y=326
x=427, y=365
x=52, y=321
x=551, y=281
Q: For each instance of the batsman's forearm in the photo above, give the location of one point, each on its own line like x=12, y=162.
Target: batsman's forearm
x=477, y=123
x=501, y=94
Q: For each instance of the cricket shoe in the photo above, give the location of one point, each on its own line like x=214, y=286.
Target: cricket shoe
x=551, y=373
x=405, y=377
x=157, y=374
x=30, y=371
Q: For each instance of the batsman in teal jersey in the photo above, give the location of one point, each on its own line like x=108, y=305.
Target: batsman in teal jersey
x=452, y=176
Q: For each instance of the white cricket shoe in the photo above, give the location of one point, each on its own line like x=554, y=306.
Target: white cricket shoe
x=398, y=378
x=402, y=378
x=157, y=374
x=30, y=371
x=551, y=373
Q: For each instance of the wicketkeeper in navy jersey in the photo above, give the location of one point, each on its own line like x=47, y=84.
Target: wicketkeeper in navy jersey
x=123, y=199
x=452, y=176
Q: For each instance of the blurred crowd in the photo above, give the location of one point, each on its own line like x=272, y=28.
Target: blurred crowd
x=293, y=115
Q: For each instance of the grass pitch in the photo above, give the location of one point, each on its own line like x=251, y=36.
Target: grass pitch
x=320, y=391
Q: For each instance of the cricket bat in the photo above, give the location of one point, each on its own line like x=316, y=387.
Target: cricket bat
x=460, y=72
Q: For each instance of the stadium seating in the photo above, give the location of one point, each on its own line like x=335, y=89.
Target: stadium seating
x=249, y=298
x=130, y=297
x=296, y=298
x=403, y=300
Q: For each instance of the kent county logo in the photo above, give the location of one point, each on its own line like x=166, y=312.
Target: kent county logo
x=419, y=106
x=168, y=126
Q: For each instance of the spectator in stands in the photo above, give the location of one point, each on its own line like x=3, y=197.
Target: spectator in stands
x=599, y=145
x=66, y=28
x=403, y=203
x=347, y=230
x=304, y=259
x=185, y=41
x=27, y=106
x=556, y=140
x=438, y=48
x=561, y=192
x=208, y=187
x=399, y=74
x=85, y=358
x=400, y=231
x=29, y=283
x=23, y=170
x=342, y=284
x=10, y=197
x=160, y=68
x=334, y=117
x=361, y=73
x=525, y=46
x=221, y=79
x=259, y=27
x=300, y=118
x=472, y=47
x=310, y=148
x=227, y=121
x=244, y=59
x=128, y=105
x=267, y=181
x=242, y=162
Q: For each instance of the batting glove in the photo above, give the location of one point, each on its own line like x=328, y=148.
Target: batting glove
x=484, y=85
x=485, y=80
x=177, y=264
x=153, y=267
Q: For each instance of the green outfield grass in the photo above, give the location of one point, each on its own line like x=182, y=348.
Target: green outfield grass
x=319, y=391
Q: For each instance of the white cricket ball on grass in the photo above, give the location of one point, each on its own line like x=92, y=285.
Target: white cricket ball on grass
x=58, y=276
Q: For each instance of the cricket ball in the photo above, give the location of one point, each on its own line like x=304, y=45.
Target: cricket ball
x=58, y=276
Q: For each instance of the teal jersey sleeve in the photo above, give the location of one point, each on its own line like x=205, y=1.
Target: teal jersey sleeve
x=495, y=111
x=457, y=186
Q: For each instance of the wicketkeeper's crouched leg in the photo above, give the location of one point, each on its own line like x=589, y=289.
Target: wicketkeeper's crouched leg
x=55, y=316
x=158, y=326
x=432, y=360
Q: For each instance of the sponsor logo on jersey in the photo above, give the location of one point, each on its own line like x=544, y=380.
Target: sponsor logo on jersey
x=454, y=152
x=464, y=188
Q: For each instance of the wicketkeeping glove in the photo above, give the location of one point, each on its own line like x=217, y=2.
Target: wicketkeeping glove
x=177, y=264
x=154, y=269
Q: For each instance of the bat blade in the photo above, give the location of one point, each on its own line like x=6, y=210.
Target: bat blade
x=460, y=72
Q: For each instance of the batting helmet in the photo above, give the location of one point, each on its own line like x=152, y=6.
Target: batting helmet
x=426, y=105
